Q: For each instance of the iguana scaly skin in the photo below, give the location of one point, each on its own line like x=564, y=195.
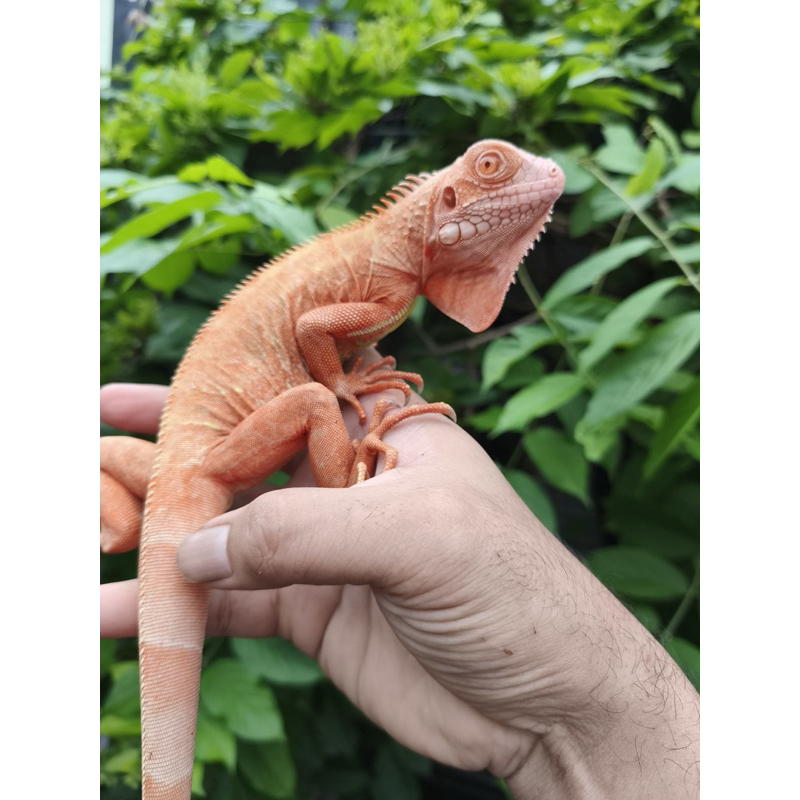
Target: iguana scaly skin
x=263, y=378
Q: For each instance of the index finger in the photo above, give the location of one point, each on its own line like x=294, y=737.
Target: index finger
x=134, y=407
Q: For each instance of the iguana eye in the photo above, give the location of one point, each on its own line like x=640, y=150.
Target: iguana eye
x=489, y=164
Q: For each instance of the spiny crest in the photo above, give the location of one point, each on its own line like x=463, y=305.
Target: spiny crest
x=397, y=193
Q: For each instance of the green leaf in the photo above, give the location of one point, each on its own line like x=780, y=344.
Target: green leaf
x=152, y=222
x=113, y=725
x=392, y=781
x=215, y=167
x=613, y=98
x=243, y=30
x=454, y=91
x=621, y=152
x=687, y=657
x=210, y=289
x=417, y=313
x=689, y=253
x=349, y=120
x=218, y=256
x=533, y=496
x=234, y=67
x=123, y=697
x=597, y=206
x=230, y=690
x=194, y=173
x=560, y=460
x=623, y=320
x=691, y=442
x=170, y=273
x=653, y=524
x=648, y=615
x=332, y=216
x=581, y=314
x=686, y=176
x=220, y=169
x=198, y=775
x=178, y=324
x=586, y=272
x=598, y=440
x=484, y=420
x=153, y=193
x=108, y=648
x=126, y=762
x=214, y=742
x=522, y=373
x=691, y=139
x=638, y=573
x=278, y=660
x=576, y=179
x=145, y=191
x=211, y=229
x=654, y=158
x=136, y=256
x=680, y=416
x=269, y=769
x=538, y=399
x=296, y=224
x=667, y=135
x=290, y=127
x=641, y=370
x=504, y=352
x=118, y=177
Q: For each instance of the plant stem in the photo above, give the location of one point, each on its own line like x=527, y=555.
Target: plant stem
x=558, y=331
x=647, y=221
x=681, y=610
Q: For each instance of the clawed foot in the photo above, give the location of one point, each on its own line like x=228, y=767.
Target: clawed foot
x=378, y=376
x=372, y=444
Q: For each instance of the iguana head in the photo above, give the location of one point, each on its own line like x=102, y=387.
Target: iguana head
x=485, y=211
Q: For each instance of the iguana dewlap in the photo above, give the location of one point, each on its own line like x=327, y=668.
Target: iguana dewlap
x=263, y=378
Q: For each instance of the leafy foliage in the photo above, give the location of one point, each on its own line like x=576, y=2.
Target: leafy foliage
x=236, y=129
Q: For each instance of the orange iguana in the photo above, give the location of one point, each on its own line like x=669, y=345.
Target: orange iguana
x=263, y=378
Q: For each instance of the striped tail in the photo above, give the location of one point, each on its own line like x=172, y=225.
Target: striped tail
x=172, y=623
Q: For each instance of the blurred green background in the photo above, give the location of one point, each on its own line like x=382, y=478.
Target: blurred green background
x=232, y=130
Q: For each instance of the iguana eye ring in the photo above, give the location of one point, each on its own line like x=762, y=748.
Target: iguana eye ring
x=489, y=164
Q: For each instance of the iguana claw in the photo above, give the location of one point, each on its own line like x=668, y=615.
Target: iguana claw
x=372, y=443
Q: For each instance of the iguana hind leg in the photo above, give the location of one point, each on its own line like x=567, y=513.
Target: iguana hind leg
x=303, y=416
x=308, y=415
x=257, y=447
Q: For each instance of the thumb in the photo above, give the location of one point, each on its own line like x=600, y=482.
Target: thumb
x=301, y=535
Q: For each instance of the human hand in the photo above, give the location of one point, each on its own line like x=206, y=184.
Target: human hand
x=438, y=603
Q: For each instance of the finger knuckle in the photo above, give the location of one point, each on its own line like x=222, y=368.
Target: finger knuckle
x=261, y=543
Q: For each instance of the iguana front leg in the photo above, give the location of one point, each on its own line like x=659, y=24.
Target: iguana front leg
x=327, y=333
x=368, y=448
